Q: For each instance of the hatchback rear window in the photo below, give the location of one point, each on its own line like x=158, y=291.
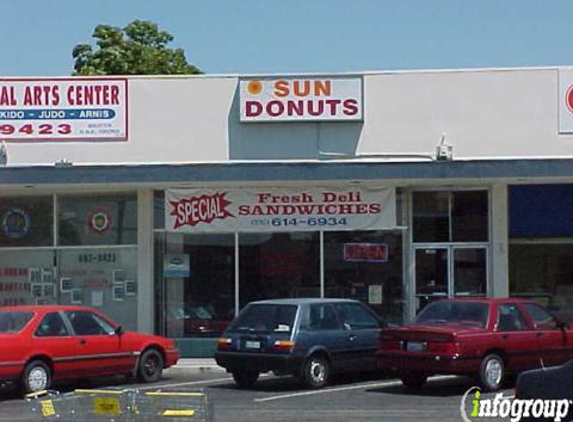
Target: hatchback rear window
x=470, y=314
x=13, y=321
x=265, y=318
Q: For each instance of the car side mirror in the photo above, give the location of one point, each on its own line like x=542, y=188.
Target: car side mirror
x=119, y=330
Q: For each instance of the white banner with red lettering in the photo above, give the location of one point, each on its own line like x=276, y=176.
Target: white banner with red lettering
x=56, y=110
x=279, y=209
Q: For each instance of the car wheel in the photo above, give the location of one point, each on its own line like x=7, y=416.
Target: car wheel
x=245, y=379
x=150, y=366
x=316, y=372
x=37, y=376
x=491, y=373
x=414, y=381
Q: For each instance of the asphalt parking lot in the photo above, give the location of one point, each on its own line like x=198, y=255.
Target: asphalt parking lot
x=356, y=398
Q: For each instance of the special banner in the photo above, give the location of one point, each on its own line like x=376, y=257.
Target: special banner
x=61, y=109
x=279, y=209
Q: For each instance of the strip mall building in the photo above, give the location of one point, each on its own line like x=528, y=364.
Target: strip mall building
x=170, y=202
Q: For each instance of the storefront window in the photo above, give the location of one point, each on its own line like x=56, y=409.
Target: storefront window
x=26, y=221
x=97, y=220
x=366, y=266
x=279, y=265
x=542, y=271
x=458, y=216
x=197, y=296
x=431, y=216
x=469, y=216
x=101, y=278
x=27, y=278
x=541, y=245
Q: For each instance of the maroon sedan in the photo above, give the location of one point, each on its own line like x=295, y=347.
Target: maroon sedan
x=483, y=338
x=39, y=344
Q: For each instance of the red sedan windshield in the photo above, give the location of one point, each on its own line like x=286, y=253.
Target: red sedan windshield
x=471, y=314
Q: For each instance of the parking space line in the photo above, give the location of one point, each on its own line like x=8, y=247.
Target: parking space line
x=351, y=387
x=207, y=381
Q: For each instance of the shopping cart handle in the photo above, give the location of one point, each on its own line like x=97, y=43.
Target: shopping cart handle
x=40, y=393
x=102, y=392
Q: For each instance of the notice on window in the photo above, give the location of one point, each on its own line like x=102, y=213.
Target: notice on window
x=176, y=266
x=375, y=294
x=97, y=298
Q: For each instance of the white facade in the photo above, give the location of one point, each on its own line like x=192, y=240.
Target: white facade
x=185, y=132
x=497, y=114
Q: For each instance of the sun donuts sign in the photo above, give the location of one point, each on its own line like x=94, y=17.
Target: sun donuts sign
x=301, y=99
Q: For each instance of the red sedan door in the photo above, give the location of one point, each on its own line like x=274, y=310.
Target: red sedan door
x=552, y=340
x=100, y=350
x=516, y=337
x=54, y=338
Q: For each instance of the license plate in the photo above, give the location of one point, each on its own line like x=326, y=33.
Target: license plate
x=415, y=346
x=253, y=344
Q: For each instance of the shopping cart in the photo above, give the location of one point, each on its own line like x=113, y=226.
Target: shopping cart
x=104, y=405
x=158, y=406
x=48, y=406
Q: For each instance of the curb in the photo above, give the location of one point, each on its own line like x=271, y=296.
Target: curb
x=198, y=367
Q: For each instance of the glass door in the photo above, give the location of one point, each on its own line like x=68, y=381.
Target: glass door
x=469, y=271
x=432, y=279
x=449, y=271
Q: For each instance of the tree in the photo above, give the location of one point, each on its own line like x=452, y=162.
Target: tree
x=138, y=49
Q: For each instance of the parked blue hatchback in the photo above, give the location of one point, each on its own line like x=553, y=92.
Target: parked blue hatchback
x=308, y=338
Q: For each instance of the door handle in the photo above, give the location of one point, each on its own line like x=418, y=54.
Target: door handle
x=505, y=336
x=83, y=341
x=538, y=335
x=352, y=337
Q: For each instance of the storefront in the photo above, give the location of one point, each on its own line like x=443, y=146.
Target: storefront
x=170, y=203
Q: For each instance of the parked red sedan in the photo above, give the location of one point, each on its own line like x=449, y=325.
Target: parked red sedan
x=39, y=344
x=484, y=338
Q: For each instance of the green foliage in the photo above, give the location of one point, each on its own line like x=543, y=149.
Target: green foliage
x=138, y=49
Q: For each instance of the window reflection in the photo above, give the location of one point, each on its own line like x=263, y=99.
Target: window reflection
x=198, y=289
x=371, y=273
x=277, y=265
x=543, y=271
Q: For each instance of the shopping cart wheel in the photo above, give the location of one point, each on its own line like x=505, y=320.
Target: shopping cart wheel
x=150, y=366
x=37, y=376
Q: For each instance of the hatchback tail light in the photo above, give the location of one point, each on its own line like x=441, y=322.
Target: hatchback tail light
x=223, y=343
x=284, y=345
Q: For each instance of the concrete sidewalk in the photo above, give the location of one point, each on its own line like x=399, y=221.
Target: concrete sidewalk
x=199, y=365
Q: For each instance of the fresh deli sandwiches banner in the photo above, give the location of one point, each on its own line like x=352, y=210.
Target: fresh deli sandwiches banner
x=55, y=110
x=279, y=209
x=301, y=99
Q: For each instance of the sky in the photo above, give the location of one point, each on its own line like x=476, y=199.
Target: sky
x=300, y=36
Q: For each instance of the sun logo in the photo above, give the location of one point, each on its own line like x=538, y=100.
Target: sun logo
x=254, y=87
